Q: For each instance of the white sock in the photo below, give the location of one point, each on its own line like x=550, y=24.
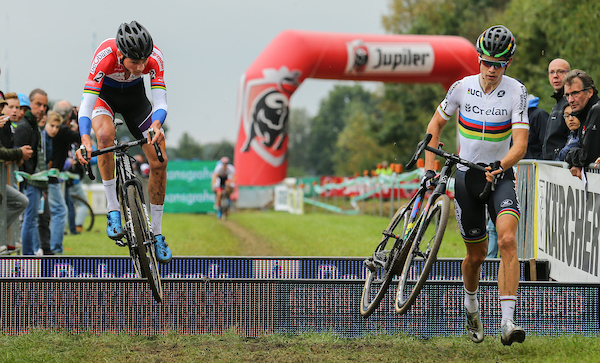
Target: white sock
x=110, y=189
x=471, y=302
x=156, y=214
x=508, y=304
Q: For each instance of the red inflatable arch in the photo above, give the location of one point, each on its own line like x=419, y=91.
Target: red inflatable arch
x=267, y=85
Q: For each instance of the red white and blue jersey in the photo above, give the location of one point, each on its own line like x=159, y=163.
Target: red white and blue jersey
x=486, y=120
x=107, y=70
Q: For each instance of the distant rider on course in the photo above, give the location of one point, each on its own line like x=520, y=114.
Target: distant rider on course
x=223, y=179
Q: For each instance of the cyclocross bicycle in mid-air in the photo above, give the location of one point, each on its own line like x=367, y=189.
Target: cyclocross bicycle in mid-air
x=138, y=233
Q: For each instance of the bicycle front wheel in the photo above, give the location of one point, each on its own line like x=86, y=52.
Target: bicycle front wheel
x=142, y=244
x=422, y=254
x=383, y=265
x=224, y=206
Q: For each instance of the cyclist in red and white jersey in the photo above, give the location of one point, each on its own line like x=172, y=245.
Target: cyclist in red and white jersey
x=492, y=112
x=115, y=85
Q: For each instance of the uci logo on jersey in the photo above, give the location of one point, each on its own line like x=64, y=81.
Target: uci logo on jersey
x=475, y=92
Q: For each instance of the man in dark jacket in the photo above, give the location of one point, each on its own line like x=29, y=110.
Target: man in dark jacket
x=538, y=118
x=27, y=133
x=582, y=95
x=556, y=129
x=16, y=202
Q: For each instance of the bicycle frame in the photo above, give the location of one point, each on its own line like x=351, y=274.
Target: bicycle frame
x=138, y=230
x=416, y=202
x=414, y=241
x=126, y=177
x=435, y=214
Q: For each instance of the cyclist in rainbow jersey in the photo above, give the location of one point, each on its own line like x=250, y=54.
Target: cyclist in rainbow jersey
x=492, y=112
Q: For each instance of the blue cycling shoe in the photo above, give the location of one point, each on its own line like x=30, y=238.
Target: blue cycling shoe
x=219, y=213
x=163, y=252
x=114, y=229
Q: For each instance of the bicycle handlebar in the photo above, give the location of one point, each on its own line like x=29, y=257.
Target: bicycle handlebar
x=423, y=145
x=420, y=147
x=119, y=147
x=88, y=167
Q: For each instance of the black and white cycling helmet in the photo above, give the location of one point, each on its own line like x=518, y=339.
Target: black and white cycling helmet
x=497, y=41
x=134, y=41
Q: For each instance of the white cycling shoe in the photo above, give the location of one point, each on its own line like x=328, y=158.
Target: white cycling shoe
x=475, y=327
x=512, y=333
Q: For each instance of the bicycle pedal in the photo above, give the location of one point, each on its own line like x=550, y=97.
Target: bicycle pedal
x=120, y=243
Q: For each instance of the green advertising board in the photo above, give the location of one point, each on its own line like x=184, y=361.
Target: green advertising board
x=188, y=187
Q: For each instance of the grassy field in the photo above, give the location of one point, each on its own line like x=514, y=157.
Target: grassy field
x=266, y=233
x=43, y=346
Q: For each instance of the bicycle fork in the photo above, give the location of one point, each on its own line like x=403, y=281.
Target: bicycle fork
x=138, y=186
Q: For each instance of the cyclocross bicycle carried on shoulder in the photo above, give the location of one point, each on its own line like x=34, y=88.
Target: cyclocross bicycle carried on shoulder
x=412, y=239
x=138, y=231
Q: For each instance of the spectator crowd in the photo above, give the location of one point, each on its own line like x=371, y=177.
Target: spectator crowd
x=41, y=142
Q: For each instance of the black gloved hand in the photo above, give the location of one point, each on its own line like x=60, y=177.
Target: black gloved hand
x=497, y=166
x=428, y=180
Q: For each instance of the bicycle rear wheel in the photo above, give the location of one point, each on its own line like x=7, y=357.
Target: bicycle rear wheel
x=422, y=254
x=384, y=263
x=83, y=203
x=142, y=244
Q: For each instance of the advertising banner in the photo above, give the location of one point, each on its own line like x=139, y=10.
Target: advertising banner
x=568, y=224
x=188, y=187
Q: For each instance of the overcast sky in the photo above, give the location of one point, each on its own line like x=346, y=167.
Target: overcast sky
x=207, y=44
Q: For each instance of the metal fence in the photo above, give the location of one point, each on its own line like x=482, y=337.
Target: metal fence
x=215, y=267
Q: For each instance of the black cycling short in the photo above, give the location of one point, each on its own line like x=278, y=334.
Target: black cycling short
x=470, y=211
x=131, y=102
